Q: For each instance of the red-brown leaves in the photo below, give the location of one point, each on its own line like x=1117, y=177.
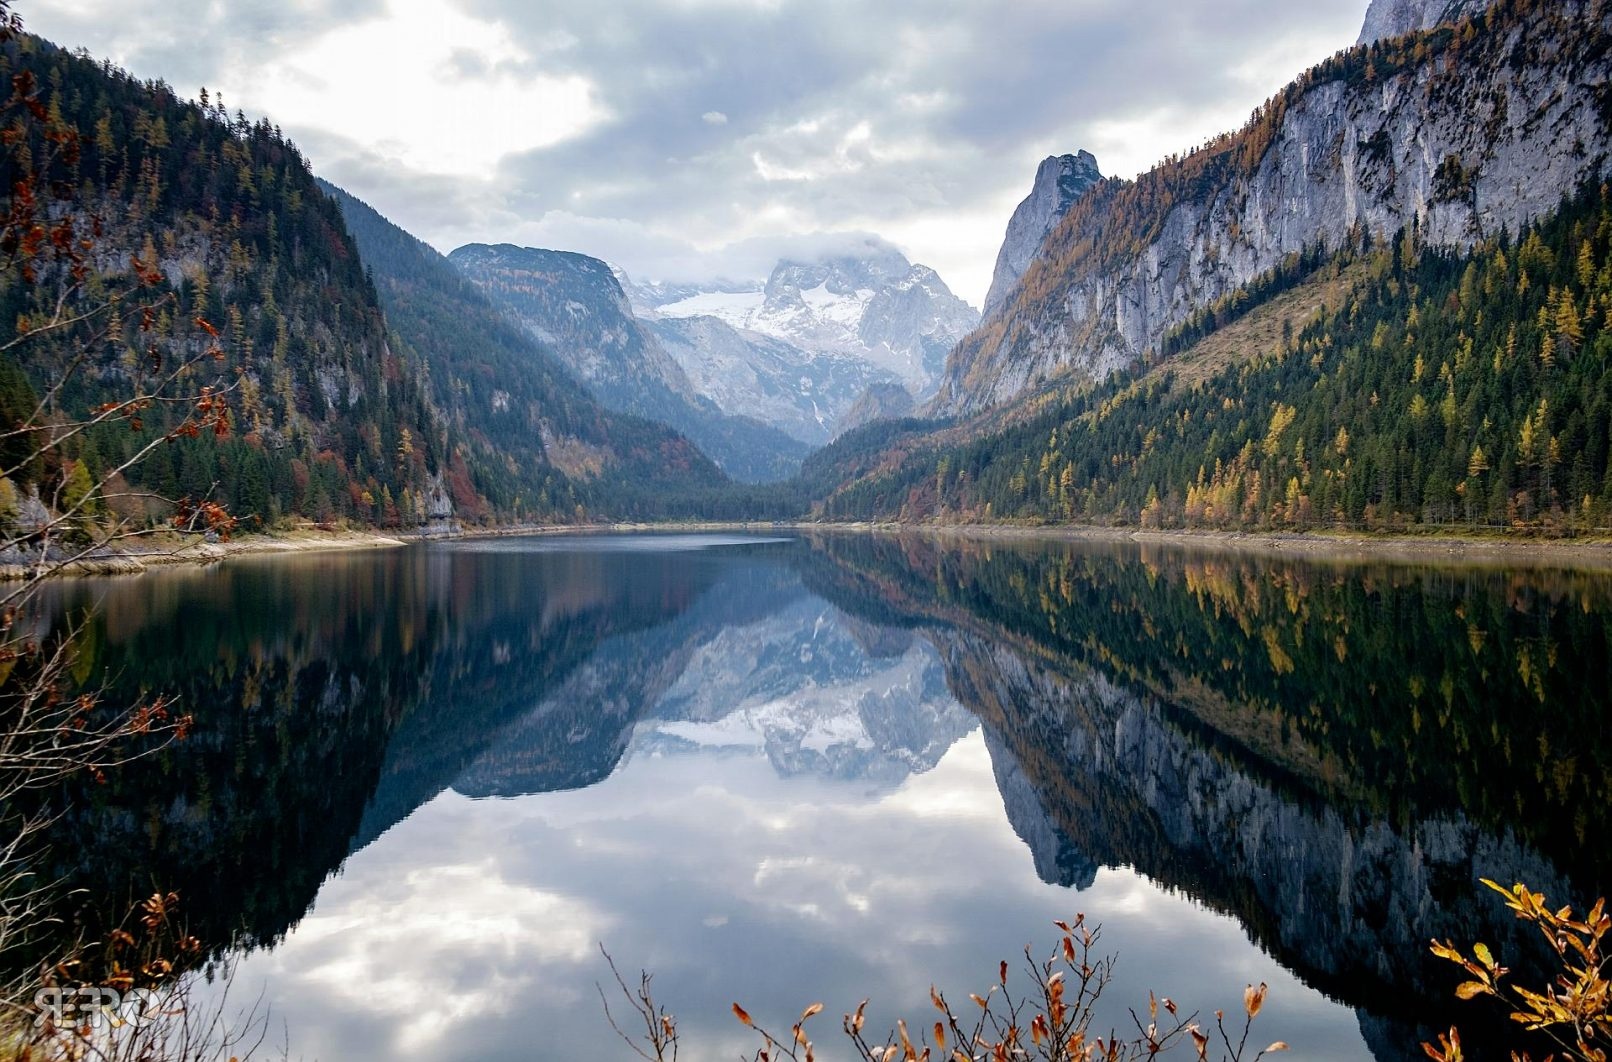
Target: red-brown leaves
x=210, y=516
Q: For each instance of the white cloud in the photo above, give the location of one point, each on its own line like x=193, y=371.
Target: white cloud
x=427, y=85
x=711, y=123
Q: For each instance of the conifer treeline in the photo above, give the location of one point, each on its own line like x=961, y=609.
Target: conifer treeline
x=1114, y=223
x=339, y=412
x=1447, y=389
x=327, y=420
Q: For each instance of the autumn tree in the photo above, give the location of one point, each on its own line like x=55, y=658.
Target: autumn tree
x=80, y=297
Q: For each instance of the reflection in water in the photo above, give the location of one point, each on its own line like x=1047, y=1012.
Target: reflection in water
x=775, y=769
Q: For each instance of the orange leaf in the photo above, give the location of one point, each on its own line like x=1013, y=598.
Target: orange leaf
x=1253, y=999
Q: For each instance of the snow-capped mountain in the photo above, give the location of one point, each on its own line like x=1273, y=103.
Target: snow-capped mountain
x=875, y=306
x=805, y=394
x=575, y=306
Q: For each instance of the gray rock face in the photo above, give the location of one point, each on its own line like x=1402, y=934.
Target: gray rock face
x=875, y=306
x=576, y=305
x=1059, y=181
x=879, y=402
x=801, y=392
x=911, y=324
x=1464, y=148
x=1395, y=18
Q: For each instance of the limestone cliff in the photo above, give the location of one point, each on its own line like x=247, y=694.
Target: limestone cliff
x=1394, y=18
x=1059, y=181
x=1464, y=134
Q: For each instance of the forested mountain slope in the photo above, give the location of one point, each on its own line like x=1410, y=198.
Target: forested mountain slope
x=535, y=444
x=1446, y=388
x=1462, y=132
x=223, y=219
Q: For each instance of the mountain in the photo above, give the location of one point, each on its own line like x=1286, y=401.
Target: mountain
x=874, y=306
x=532, y=441
x=1460, y=133
x=879, y=402
x=803, y=393
x=574, y=305
x=216, y=225
x=1391, y=387
x=1394, y=381
x=1395, y=18
x=1059, y=181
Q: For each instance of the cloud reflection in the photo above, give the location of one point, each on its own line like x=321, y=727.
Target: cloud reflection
x=425, y=953
x=468, y=928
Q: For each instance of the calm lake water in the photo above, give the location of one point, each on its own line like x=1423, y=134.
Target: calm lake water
x=426, y=784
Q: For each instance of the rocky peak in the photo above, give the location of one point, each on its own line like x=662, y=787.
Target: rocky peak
x=1059, y=181
x=843, y=275
x=582, y=276
x=1395, y=18
x=1463, y=150
x=869, y=304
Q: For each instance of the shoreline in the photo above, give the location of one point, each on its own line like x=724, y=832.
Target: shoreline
x=134, y=562
x=1333, y=546
x=1327, y=546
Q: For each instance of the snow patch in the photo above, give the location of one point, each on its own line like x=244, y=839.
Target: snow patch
x=733, y=307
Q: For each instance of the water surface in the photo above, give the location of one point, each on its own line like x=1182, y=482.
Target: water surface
x=428, y=783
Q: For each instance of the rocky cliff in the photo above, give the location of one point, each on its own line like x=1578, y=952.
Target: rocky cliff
x=1059, y=181
x=574, y=304
x=879, y=402
x=1461, y=133
x=1394, y=18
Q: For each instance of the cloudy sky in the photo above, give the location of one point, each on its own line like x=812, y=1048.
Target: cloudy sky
x=685, y=139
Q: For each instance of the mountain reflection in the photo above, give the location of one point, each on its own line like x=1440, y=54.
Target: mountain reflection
x=1332, y=754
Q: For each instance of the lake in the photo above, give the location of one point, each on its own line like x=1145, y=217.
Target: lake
x=427, y=784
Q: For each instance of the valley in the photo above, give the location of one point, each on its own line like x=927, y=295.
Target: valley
x=554, y=387
x=804, y=501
